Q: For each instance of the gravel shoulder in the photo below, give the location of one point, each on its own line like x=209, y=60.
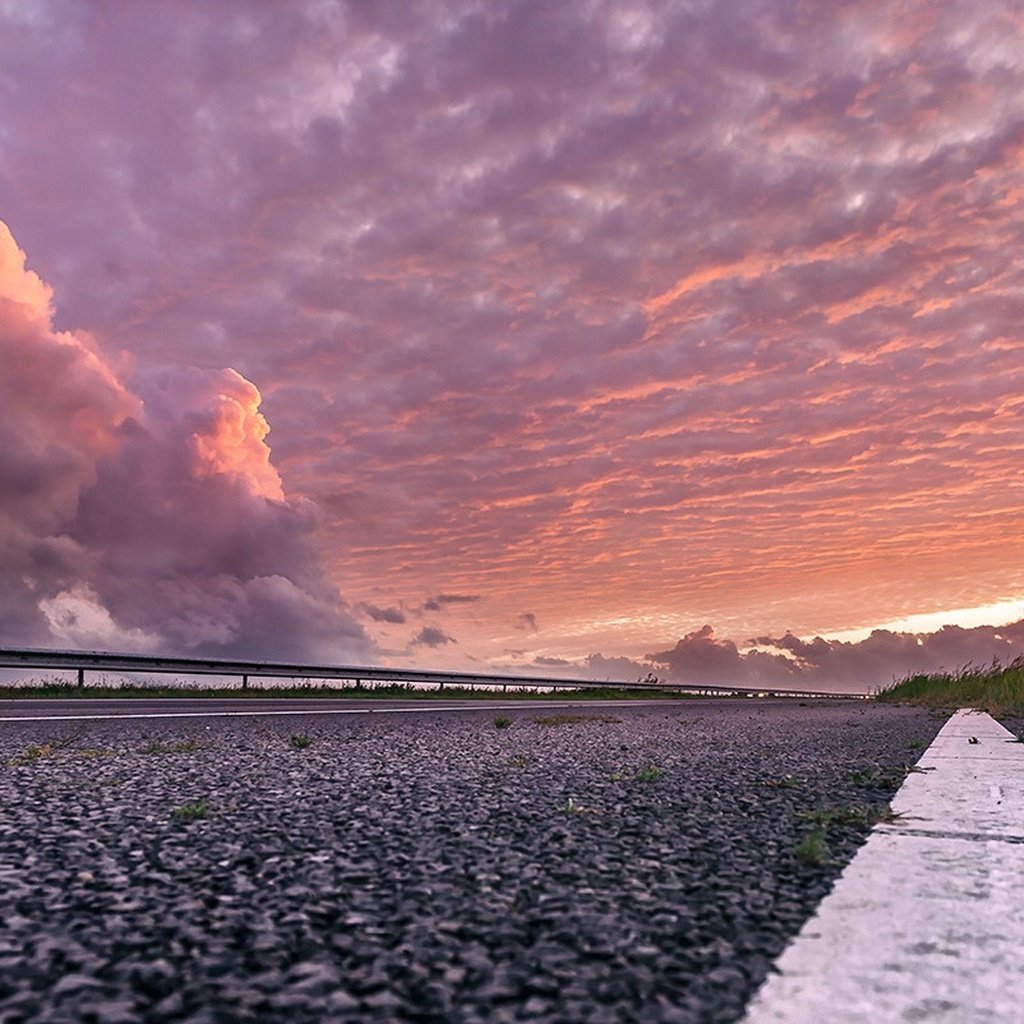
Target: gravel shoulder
x=634, y=864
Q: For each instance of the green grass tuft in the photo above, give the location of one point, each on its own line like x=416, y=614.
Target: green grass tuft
x=997, y=689
x=299, y=741
x=41, y=751
x=852, y=816
x=193, y=811
x=813, y=849
x=49, y=690
x=502, y=722
x=189, y=746
x=649, y=773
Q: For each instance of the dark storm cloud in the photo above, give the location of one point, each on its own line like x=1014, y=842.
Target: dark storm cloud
x=432, y=636
x=378, y=614
x=527, y=621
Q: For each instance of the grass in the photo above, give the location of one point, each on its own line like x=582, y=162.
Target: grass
x=649, y=773
x=502, y=722
x=299, y=741
x=997, y=689
x=189, y=746
x=385, y=691
x=193, y=811
x=37, y=752
x=850, y=816
x=813, y=849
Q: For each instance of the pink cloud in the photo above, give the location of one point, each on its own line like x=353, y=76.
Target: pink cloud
x=151, y=520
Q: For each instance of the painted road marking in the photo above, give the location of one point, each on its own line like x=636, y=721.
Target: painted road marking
x=424, y=709
x=926, y=922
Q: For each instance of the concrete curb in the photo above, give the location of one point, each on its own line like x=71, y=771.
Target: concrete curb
x=926, y=923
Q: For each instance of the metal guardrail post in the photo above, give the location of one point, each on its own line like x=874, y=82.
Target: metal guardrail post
x=81, y=677
x=245, y=681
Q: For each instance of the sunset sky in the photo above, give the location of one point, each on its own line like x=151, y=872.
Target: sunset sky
x=534, y=335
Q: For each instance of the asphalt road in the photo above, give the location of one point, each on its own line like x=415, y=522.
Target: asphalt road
x=599, y=864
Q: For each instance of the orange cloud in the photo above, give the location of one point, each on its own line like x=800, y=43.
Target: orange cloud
x=233, y=441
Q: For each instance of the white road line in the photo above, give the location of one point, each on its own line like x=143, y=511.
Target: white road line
x=926, y=922
x=425, y=708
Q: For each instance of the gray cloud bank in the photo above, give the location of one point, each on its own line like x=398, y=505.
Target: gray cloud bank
x=701, y=657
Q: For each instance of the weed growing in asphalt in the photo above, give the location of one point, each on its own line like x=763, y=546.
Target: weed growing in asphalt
x=915, y=745
x=649, y=773
x=299, y=741
x=813, y=849
x=39, y=752
x=192, y=811
x=866, y=778
x=188, y=746
x=518, y=760
x=850, y=816
x=92, y=752
x=502, y=722
x=34, y=753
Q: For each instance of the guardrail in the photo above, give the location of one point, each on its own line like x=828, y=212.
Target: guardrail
x=81, y=662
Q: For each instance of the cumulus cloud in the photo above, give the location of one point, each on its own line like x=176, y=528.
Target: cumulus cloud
x=432, y=636
x=148, y=518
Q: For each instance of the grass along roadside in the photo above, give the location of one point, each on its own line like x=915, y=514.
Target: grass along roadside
x=403, y=691
x=997, y=689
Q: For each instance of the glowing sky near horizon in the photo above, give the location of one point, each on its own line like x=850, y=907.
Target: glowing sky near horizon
x=575, y=326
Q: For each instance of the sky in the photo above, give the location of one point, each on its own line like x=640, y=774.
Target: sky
x=590, y=337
